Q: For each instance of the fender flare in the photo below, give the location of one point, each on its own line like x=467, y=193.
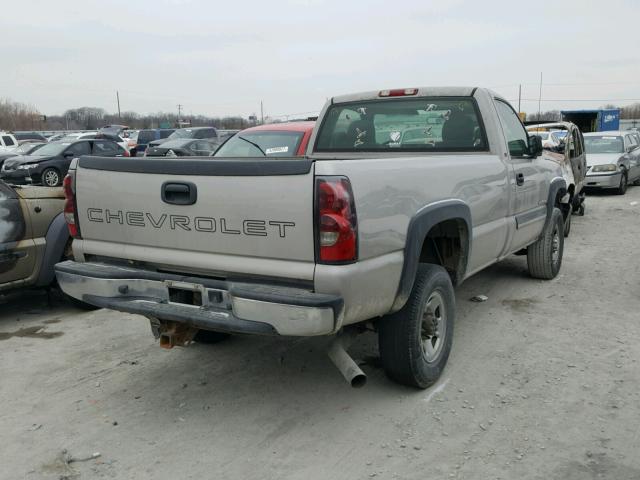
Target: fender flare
x=558, y=184
x=419, y=226
x=56, y=240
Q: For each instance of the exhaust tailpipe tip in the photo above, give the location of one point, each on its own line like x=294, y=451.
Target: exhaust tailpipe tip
x=343, y=361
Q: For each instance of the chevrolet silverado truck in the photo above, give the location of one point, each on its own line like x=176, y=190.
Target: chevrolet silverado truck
x=402, y=195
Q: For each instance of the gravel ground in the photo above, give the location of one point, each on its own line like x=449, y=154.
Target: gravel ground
x=542, y=384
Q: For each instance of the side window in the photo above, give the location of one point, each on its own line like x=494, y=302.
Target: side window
x=632, y=141
x=80, y=148
x=8, y=141
x=576, y=144
x=516, y=135
x=102, y=147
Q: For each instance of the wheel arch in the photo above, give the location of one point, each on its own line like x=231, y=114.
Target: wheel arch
x=56, y=240
x=447, y=219
x=557, y=190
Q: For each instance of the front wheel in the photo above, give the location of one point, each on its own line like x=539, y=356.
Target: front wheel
x=416, y=341
x=622, y=188
x=51, y=177
x=544, y=257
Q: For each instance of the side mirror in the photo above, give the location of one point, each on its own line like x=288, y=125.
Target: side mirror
x=535, y=146
x=630, y=148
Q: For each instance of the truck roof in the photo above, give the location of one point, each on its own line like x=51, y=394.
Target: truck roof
x=422, y=92
x=287, y=126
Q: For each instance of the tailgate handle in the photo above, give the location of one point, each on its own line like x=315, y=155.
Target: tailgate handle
x=179, y=193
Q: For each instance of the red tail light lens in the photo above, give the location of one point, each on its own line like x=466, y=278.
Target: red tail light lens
x=70, y=206
x=337, y=224
x=126, y=153
x=398, y=92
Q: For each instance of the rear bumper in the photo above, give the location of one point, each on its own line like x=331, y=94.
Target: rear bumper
x=602, y=180
x=210, y=304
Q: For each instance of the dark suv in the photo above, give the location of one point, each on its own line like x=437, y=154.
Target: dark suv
x=49, y=164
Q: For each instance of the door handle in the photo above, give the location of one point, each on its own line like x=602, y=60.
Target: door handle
x=179, y=193
x=520, y=179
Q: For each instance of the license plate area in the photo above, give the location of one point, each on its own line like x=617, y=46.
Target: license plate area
x=195, y=295
x=185, y=293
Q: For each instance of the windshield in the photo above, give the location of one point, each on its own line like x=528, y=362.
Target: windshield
x=410, y=124
x=183, y=133
x=55, y=148
x=542, y=135
x=603, y=144
x=261, y=144
x=27, y=148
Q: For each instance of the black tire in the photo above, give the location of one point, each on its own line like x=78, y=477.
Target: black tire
x=207, y=336
x=403, y=337
x=51, y=177
x=544, y=257
x=622, y=188
x=567, y=221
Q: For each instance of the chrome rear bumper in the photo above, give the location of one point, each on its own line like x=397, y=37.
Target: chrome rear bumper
x=201, y=302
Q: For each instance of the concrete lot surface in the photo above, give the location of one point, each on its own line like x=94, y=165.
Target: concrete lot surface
x=543, y=383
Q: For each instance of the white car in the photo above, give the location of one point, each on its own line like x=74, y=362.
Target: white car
x=124, y=143
x=7, y=141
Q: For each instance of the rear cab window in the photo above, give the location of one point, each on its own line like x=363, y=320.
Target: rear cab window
x=7, y=140
x=422, y=124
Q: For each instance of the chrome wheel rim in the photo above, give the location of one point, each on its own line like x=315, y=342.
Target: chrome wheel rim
x=555, y=246
x=51, y=178
x=433, y=327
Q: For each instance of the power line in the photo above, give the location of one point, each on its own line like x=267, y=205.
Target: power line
x=581, y=99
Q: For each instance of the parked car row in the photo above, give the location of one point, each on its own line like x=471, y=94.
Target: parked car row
x=49, y=164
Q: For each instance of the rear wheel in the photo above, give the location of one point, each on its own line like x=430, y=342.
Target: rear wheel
x=51, y=177
x=544, y=257
x=416, y=341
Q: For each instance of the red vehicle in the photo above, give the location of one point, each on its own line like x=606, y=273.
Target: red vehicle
x=273, y=140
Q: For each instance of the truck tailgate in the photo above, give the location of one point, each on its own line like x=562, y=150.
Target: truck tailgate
x=231, y=207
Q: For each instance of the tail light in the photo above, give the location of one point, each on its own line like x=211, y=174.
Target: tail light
x=70, y=213
x=337, y=224
x=398, y=92
x=126, y=153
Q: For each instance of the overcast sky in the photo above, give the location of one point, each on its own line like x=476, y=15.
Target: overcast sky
x=223, y=58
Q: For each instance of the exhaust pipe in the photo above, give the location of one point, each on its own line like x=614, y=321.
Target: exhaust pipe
x=342, y=360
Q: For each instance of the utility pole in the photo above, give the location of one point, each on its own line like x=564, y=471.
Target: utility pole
x=179, y=114
x=118, y=99
x=519, y=97
x=261, y=113
x=540, y=99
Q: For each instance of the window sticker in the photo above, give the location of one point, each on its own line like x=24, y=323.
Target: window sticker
x=360, y=135
x=272, y=150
